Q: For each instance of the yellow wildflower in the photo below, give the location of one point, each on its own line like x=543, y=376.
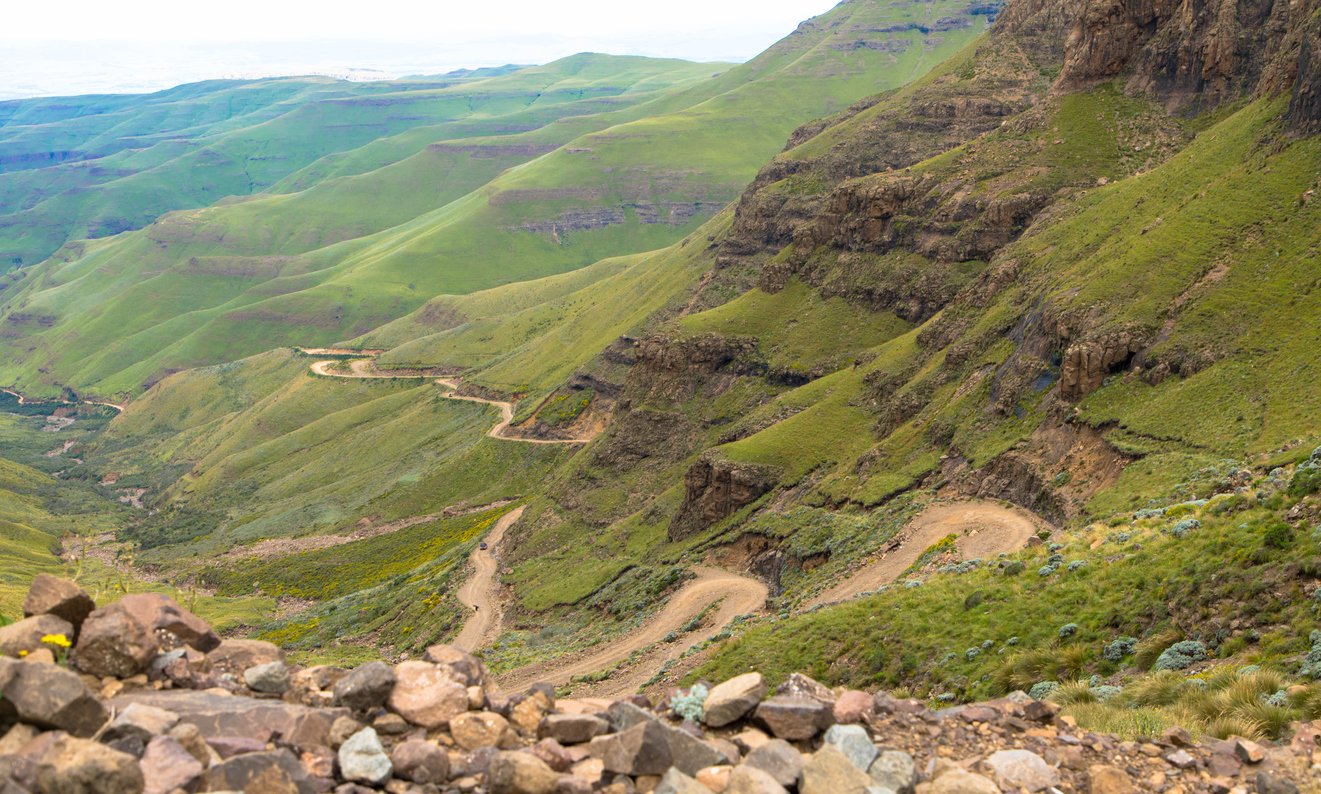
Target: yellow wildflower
x=21, y=654
x=58, y=640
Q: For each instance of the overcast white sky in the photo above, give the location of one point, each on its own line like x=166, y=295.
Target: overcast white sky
x=79, y=46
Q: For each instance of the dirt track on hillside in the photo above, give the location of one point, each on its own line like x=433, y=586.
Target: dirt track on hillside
x=481, y=589
x=736, y=595
x=365, y=369
x=985, y=529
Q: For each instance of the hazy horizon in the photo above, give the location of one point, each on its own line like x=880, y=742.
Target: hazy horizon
x=157, y=48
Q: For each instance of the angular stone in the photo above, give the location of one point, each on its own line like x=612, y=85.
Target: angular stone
x=362, y=759
x=222, y=715
x=795, y=717
x=572, y=728
x=235, y=656
x=854, y=742
x=17, y=736
x=365, y=688
x=1177, y=736
x=167, y=765
x=187, y=735
x=51, y=595
x=49, y=697
x=676, y=782
x=853, y=706
x=527, y=712
x=800, y=685
x=520, y=773
x=114, y=644
x=420, y=762
x=715, y=778
x=959, y=781
x=1274, y=783
x=1248, y=751
x=731, y=700
x=81, y=766
x=136, y=726
x=624, y=715
x=1181, y=759
x=24, y=636
x=778, y=759
x=466, y=668
x=641, y=750
x=475, y=729
x=226, y=747
x=1105, y=779
x=170, y=622
x=388, y=724
x=1022, y=769
x=750, y=780
x=271, y=678
x=894, y=770
x=830, y=771
x=268, y=772
x=426, y=695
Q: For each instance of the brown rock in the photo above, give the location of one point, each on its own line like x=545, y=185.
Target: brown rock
x=51, y=595
x=750, y=780
x=167, y=765
x=573, y=728
x=959, y=781
x=24, y=636
x=1104, y=779
x=235, y=656
x=527, y=714
x=114, y=644
x=225, y=715
x=466, y=668
x=81, y=766
x=676, y=782
x=426, y=695
x=554, y=754
x=829, y=771
x=715, y=778
x=732, y=699
x=1248, y=751
x=267, y=772
x=49, y=697
x=1177, y=736
x=18, y=736
x=795, y=717
x=168, y=621
x=134, y=727
x=800, y=685
x=479, y=729
x=853, y=706
x=190, y=738
x=520, y=773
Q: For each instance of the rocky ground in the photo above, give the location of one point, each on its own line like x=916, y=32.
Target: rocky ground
x=142, y=696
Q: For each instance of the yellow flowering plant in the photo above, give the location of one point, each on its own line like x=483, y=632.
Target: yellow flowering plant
x=59, y=645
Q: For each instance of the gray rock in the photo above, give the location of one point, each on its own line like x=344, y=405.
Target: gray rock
x=795, y=717
x=167, y=765
x=222, y=715
x=1274, y=783
x=751, y=780
x=830, y=771
x=24, y=636
x=49, y=697
x=958, y=781
x=733, y=699
x=689, y=753
x=165, y=618
x=365, y=688
x=464, y=667
x=520, y=773
x=51, y=595
x=895, y=770
x=854, y=742
x=1021, y=769
x=362, y=759
x=779, y=759
x=624, y=715
x=427, y=695
x=271, y=678
x=800, y=685
x=572, y=728
x=420, y=762
x=643, y=749
x=235, y=656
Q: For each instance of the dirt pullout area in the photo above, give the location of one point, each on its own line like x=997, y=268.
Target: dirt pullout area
x=479, y=591
x=735, y=595
x=282, y=547
x=984, y=529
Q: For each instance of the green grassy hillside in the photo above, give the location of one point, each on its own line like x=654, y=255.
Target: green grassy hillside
x=638, y=183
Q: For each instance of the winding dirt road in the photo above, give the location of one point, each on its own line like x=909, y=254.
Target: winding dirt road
x=365, y=369
x=479, y=592
x=736, y=595
x=22, y=400
x=985, y=529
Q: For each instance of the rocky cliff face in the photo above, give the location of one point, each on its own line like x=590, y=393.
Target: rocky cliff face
x=715, y=489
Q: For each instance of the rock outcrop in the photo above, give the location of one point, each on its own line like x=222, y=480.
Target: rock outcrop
x=715, y=488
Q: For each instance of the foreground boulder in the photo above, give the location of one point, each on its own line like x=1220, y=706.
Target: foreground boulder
x=81, y=766
x=51, y=595
x=25, y=636
x=48, y=696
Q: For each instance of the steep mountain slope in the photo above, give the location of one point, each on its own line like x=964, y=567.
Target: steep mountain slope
x=637, y=183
